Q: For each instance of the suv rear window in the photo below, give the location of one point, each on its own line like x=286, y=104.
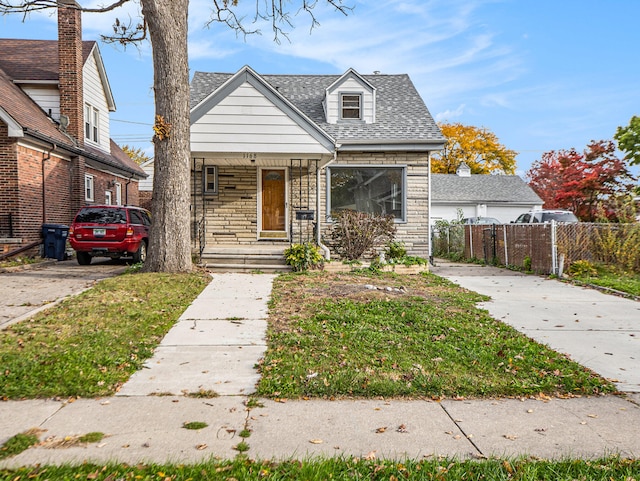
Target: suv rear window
x=558, y=217
x=102, y=216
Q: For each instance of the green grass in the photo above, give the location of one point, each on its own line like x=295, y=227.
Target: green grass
x=331, y=337
x=18, y=443
x=522, y=469
x=612, y=279
x=90, y=345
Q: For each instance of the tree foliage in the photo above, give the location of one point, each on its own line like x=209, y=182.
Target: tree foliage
x=164, y=24
x=479, y=148
x=628, y=139
x=586, y=183
x=136, y=154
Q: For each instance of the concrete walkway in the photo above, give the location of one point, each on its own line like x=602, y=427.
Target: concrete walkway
x=216, y=343
x=220, y=338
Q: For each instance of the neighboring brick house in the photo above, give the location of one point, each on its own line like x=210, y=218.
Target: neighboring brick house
x=272, y=155
x=55, y=151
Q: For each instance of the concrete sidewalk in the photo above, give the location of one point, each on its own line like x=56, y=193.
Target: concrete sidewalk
x=215, y=346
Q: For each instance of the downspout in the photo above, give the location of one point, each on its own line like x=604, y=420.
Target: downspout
x=44, y=190
x=324, y=248
x=430, y=228
x=126, y=191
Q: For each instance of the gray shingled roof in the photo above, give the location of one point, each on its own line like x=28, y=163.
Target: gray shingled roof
x=481, y=189
x=401, y=114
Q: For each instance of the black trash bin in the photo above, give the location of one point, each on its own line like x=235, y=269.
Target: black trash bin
x=55, y=241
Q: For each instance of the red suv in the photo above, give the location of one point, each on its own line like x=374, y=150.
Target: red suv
x=110, y=231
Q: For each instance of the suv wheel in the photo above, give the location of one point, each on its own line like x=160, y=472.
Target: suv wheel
x=141, y=254
x=84, y=258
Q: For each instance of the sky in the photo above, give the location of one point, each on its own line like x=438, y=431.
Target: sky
x=542, y=75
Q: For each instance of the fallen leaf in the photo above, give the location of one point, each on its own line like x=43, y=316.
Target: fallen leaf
x=592, y=415
x=371, y=456
x=381, y=430
x=201, y=447
x=402, y=429
x=316, y=441
x=529, y=411
x=511, y=437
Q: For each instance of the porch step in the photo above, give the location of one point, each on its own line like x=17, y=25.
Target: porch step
x=244, y=259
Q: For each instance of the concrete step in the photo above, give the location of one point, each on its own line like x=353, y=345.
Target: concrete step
x=228, y=267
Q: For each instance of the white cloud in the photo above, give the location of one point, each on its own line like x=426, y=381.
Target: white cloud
x=449, y=115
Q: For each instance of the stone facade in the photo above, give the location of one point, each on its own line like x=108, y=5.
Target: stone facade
x=231, y=215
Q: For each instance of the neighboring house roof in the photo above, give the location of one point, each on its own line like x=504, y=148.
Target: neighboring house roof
x=452, y=188
x=36, y=61
x=25, y=118
x=401, y=115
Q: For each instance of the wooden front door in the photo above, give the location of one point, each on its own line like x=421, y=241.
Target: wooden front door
x=273, y=200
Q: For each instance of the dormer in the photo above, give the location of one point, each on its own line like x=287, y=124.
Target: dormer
x=350, y=99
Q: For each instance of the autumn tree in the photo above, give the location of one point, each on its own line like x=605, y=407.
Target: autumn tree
x=164, y=24
x=136, y=154
x=628, y=139
x=479, y=148
x=581, y=182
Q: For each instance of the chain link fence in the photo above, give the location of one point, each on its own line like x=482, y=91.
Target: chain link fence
x=541, y=248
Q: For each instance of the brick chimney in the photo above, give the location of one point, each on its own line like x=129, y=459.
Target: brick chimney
x=70, y=67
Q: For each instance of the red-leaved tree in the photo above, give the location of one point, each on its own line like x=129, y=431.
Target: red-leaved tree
x=586, y=183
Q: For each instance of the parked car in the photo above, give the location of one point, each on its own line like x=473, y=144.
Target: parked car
x=543, y=216
x=110, y=231
x=480, y=220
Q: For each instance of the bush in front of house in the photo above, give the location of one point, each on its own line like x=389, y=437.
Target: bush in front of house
x=358, y=233
x=302, y=257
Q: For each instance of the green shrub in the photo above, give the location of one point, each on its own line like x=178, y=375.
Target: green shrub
x=526, y=264
x=357, y=233
x=395, y=250
x=302, y=257
x=582, y=268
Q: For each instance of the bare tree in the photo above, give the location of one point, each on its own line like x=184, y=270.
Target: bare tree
x=165, y=23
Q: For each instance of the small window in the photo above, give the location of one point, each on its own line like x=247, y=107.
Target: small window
x=107, y=197
x=210, y=179
x=88, y=188
x=91, y=122
x=350, y=106
x=118, y=188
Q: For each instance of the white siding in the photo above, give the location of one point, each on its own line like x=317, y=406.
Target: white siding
x=95, y=96
x=147, y=184
x=47, y=97
x=246, y=121
x=504, y=213
x=350, y=86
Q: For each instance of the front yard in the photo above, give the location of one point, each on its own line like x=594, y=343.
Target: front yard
x=368, y=335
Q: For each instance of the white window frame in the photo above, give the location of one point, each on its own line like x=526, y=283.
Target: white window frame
x=118, y=188
x=91, y=123
x=206, y=171
x=89, y=188
x=107, y=197
x=403, y=207
x=358, y=108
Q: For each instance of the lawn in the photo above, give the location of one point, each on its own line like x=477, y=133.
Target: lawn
x=610, y=278
x=366, y=335
x=90, y=345
x=345, y=469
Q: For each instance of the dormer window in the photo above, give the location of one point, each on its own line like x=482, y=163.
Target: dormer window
x=350, y=106
x=91, y=122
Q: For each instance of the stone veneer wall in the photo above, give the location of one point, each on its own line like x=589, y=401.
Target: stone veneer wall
x=415, y=231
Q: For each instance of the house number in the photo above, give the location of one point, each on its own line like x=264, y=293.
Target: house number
x=248, y=156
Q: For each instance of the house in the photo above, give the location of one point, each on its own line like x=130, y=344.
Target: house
x=55, y=150
x=503, y=197
x=272, y=156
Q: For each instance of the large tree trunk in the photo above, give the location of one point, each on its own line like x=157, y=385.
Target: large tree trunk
x=170, y=245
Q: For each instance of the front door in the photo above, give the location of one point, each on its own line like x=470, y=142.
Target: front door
x=273, y=182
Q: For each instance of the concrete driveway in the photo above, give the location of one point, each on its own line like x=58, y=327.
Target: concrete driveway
x=28, y=290
x=600, y=331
